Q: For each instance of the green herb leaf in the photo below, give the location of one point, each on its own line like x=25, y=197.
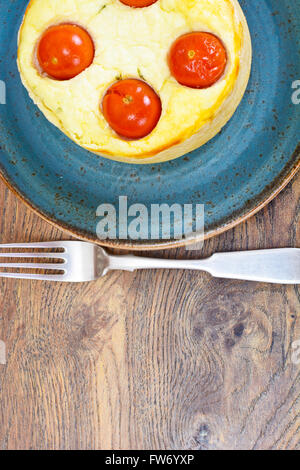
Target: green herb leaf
x=141, y=75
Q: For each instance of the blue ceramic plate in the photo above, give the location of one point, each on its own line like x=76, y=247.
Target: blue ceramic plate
x=234, y=175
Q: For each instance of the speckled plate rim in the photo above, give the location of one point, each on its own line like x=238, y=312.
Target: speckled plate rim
x=249, y=209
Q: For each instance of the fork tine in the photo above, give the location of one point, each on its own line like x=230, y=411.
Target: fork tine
x=33, y=255
x=76, y=261
x=36, y=277
x=56, y=266
x=33, y=245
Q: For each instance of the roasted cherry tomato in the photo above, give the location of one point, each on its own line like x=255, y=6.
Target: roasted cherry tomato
x=132, y=108
x=197, y=60
x=138, y=3
x=64, y=51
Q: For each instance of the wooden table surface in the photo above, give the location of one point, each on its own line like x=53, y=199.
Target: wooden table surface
x=152, y=360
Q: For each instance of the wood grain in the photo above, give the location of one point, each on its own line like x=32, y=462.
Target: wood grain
x=152, y=360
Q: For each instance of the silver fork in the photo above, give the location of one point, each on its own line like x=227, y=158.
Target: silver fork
x=82, y=262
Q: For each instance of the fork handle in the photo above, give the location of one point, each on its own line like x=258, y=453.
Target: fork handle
x=281, y=266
